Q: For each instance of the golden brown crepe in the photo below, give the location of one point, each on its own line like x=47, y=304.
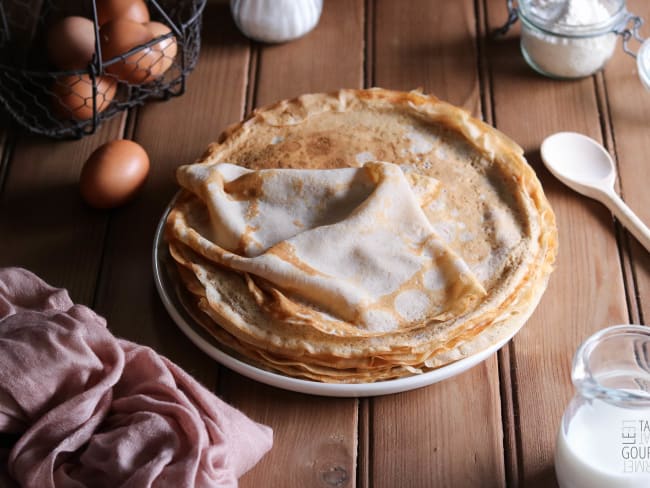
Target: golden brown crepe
x=361, y=236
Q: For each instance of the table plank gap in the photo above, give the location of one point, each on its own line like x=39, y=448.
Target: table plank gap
x=251, y=78
x=622, y=238
x=507, y=373
x=485, y=88
x=369, y=45
x=567, y=313
x=511, y=440
x=364, y=454
x=7, y=141
x=172, y=132
x=130, y=123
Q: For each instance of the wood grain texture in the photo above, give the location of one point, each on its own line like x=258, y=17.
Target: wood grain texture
x=315, y=438
x=421, y=44
x=629, y=106
x=586, y=291
x=172, y=132
x=439, y=428
x=443, y=435
x=44, y=224
x=327, y=59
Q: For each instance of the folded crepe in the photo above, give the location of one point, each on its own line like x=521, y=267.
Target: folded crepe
x=304, y=257
x=353, y=242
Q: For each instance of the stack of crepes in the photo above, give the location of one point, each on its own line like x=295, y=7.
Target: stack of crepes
x=345, y=274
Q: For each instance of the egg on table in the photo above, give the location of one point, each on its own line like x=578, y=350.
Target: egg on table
x=71, y=43
x=72, y=96
x=113, y=173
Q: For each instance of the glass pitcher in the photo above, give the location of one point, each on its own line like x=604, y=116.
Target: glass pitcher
x=604, y=437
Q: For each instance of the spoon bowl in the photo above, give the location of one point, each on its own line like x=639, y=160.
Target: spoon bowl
x=586, y=167
x=579, y=162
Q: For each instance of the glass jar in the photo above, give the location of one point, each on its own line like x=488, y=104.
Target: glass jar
x=643, y=64
x=569, y=39
x=604, y=436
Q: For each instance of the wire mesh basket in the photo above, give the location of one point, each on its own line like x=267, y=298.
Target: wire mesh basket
x=47, y=93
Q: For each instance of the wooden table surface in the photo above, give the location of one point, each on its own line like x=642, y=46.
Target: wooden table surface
x=491, y=426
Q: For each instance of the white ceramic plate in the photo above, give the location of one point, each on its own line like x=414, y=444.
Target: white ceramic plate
x=170, y=293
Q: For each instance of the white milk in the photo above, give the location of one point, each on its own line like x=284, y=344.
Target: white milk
x=605, y=447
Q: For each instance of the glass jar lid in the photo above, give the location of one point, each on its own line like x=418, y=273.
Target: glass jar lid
x=578, y=18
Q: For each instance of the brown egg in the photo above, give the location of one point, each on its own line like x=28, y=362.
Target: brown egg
x=117, y=38
x=73, y=96
x=113, y=173
x=164, y=50
x=71, y=43
x=135, y=10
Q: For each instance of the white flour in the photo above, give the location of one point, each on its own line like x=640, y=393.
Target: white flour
x=567, y=57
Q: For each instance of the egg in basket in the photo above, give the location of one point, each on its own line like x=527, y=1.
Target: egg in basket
x=67, y=66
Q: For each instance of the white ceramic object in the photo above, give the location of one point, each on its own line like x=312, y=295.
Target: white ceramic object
x=276, y=20
x=586, y=167
x=168, y=287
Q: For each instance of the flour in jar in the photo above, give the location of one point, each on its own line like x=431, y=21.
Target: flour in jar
x=561, y=55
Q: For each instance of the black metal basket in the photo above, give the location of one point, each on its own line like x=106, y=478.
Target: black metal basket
x=64, y=104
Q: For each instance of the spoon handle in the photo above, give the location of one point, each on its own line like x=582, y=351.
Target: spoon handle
x=628, y=218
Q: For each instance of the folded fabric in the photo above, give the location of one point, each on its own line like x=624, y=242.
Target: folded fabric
x=92, y=410
x=353, y=241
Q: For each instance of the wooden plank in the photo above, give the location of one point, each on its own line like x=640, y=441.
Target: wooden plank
x=327, y=59
x=44, y=224
x=420, y=44
x=172, y=132
x=629, y=105
x=449, y=433
x=529, y=107
x=442, y=435
x=315, y=439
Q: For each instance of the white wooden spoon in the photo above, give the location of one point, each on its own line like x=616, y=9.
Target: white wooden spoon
x=586, y=167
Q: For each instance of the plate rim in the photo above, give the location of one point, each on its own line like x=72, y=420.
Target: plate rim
x=278, y=380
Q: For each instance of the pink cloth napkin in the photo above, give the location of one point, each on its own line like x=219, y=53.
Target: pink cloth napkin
x=93, y=410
